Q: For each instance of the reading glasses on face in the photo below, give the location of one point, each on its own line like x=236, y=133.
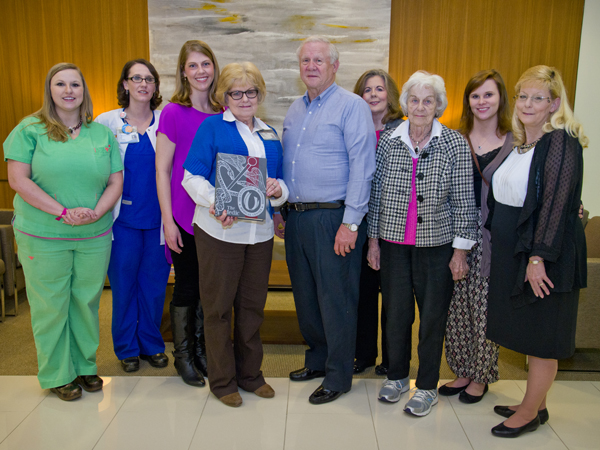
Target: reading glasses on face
x=522, y=98
x=138, y=79
x=317, y=61
x=237, y=95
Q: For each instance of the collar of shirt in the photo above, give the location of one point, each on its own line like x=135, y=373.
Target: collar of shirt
x=402, y=132
x=322, y=96
x=258, y=124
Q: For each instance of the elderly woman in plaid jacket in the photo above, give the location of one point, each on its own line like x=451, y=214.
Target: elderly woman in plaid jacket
x=422, y=221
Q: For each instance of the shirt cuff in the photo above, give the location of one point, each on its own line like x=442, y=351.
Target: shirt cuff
x=199, y=189
x=462, y=243
x=285, y=193
x=351, y=215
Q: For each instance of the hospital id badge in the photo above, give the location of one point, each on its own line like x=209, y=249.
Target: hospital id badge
x=125, y=137
x=268, y=135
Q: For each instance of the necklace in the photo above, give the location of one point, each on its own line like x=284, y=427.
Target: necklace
x=526, y=147
x=75, y=128
x=422, y=139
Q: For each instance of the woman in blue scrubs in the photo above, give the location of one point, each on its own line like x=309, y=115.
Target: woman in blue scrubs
x=138, y=270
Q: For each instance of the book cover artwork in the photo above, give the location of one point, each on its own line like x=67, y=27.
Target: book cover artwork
x=241, y=187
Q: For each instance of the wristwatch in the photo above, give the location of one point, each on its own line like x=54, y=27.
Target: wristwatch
x=351, y=226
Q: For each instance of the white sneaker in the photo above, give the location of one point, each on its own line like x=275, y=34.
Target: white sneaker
x=391, y=390
x=421, y=402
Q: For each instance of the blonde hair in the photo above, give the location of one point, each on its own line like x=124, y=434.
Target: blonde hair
x=183, y=90
x=422, y=79
x=394, y=111
x=47, y=115
x=562, y=119
x=245, y=72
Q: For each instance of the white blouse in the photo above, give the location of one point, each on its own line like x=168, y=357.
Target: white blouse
x=509, y=182
x=203, y=193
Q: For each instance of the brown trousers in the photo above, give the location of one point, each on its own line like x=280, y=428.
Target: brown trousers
x=233, y=276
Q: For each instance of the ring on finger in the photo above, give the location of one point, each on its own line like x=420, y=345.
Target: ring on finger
x=542, y=285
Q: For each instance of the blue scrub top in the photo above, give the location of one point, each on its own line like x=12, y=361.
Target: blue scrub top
x=139, y=205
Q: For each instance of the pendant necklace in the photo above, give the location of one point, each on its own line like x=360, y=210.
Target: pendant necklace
x=75, y=128
x=418, y=142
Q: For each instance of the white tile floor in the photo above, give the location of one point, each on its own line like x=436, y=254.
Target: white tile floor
x=163, y=413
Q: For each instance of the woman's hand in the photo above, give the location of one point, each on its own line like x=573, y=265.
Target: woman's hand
x=79, y=216
x=226, y=221
x=536, y=275
x=458, y=264
x=373, y=254
x=273, y=188
x=173, y=237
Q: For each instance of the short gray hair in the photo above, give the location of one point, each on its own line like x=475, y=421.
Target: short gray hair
x=334, y=55
x=422, y=79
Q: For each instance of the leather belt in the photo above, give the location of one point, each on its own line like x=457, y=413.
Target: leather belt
x=319, y=205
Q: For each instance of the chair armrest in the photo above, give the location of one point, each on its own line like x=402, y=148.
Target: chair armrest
x=588, y=315
x=7, y=253
x=6, y=216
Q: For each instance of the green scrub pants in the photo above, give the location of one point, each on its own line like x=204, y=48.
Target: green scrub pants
x=64, y=281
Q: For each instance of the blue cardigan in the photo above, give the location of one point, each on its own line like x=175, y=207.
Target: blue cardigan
x=216, y=135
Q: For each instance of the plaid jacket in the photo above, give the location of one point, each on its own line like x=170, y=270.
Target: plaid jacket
x=445, y=199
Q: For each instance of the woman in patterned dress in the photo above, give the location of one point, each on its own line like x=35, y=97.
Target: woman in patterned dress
x=485, y=123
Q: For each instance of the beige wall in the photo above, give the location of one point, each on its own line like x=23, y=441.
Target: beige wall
x=98, y=36
x=587, y=103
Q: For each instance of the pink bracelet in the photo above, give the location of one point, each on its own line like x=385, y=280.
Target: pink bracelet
x=62, y=214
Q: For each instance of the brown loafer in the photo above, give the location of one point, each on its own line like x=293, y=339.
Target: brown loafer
x=67, y=392
x=234, y=400
x=265, y=391
x=90, y=383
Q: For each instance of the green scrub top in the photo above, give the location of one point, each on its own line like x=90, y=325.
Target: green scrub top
x=75, y=173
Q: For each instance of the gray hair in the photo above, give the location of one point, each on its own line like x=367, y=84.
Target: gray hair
x=334, y=55
x=422, y=79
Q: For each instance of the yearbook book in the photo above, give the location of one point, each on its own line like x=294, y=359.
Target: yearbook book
x=241, y=187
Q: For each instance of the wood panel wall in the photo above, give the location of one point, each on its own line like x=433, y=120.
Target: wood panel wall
x=98, y=36
x=457, y=38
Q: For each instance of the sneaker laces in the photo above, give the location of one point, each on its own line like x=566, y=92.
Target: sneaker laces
x=394, y=383
x=423, y=394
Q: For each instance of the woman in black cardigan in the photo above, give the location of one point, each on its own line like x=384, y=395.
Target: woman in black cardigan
x=538, y=244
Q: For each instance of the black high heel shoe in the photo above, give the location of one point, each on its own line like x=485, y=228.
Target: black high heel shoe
x=465, y=397
x=505, y=411
x=507, y=432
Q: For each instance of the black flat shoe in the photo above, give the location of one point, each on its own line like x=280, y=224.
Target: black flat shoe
x=67, y=392
x=305, y=374
x=360, y=366
x=381, y=370
x=448, y=391
x=131, y=364
x=504, y=431
x=90, y=383
x=159, y=360
x=465, y=397
x=505, y=411
x=323, y=395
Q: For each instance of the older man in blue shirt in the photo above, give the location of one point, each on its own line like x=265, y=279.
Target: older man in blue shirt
x=328, y=164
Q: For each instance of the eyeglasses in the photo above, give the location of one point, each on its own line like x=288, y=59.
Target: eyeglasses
x=317, y=61
x=522, y=98
x=237, y=95
x=138, y=79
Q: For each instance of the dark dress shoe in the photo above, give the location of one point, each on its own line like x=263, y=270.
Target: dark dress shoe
x=360, y=366
x=505, y=411
x=448, y=391
x=159, y=360
x=323, y=395
x=504, y=431
x=131, y=364
x=381, y=370
x=90, y=383
x=465, y=397
x=67, y=392
x=305, y=374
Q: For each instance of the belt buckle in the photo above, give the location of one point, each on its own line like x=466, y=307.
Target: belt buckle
x=300, y=207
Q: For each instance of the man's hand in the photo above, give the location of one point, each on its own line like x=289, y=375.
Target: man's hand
x=344, y=240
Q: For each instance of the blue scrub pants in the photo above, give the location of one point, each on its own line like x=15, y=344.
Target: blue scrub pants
x=138, y=274
x=64, y=280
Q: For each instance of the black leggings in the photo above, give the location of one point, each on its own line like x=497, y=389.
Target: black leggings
x=186, y=291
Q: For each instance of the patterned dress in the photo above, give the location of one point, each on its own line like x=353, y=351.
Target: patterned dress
x=468, y=352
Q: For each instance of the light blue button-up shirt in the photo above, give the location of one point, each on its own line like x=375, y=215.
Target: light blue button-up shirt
x=329, y=151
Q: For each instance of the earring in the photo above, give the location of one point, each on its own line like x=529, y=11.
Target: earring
x=126, y=91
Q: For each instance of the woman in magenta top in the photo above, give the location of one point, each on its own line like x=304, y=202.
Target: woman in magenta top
x=193, y=101
x=380, y=91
